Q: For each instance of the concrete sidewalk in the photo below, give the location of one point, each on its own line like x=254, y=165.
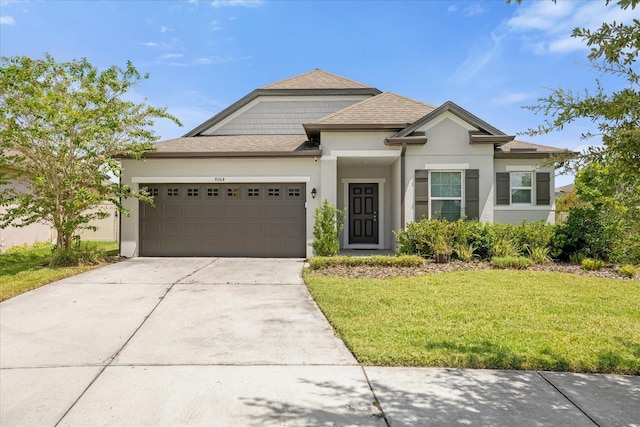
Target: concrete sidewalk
x=202, y=341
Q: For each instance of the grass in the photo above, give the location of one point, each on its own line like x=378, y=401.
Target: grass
x=487, y=319
x=26, y=270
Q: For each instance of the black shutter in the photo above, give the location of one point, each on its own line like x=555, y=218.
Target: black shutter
x=472, y=194
x=503, y=194
x=543, y=190
x=421, y=194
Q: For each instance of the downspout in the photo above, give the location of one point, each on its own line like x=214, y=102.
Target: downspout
x=402, y=180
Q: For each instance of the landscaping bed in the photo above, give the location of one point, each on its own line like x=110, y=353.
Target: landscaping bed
x=430, y=267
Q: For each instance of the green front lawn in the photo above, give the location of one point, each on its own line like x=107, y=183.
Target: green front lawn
x=26, y=270
x=487, y=319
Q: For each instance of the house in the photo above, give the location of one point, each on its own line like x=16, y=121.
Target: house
x=247, y=181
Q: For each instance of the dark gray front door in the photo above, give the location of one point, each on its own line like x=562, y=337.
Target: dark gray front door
x=253, y=220
x=363, y=213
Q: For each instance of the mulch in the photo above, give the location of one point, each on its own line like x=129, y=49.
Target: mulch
x=372, y=272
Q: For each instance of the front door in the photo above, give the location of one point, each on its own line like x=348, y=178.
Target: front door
x=363, y=214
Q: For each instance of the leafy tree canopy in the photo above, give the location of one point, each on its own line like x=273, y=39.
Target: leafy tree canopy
x=614, y=51
x=63, y=127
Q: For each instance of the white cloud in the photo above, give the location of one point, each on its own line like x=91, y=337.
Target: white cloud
x=547, y=26
x=479, y=56
x=231, y=3
x=215, y=26
x=155, y=44
x=7, y=20
x=452, y=8
x=172, y=56
x=509, y=98
x=164, y=29
x=473, y=10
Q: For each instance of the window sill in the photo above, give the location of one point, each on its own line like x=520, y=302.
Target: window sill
x=523, y=207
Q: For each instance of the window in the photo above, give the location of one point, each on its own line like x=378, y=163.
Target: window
x=253, y=192
x=521, y=185
x=173, y=192
x=524, y=188
x=213, y=192
x=446, y=195
x=192, y=192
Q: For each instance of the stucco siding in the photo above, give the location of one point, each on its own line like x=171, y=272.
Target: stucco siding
x=448, y=147
x=216, y=170
x=517, y=213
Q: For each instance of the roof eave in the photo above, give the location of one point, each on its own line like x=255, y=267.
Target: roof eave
x=230, y=154
x=475, y=138
x=409, y=140
x=521, y=155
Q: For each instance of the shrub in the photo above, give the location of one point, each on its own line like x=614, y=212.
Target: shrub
x=505, y=248
x=317, y=263
x=464, y=252
x=517, y=262
x=539, y=254
x=77, y=254
x=327, y=227
x=577, y=257
x=628, y=271
x=591, y=264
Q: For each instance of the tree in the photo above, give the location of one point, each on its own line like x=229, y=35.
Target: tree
x=61, y=127
x=614, y=51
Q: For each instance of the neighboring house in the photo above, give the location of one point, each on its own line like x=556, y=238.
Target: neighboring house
x=42, y=232
x=564, y=190
x=247, y=181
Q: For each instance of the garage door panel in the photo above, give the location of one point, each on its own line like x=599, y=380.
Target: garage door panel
x=253, y=210
x=252, y=231
x=212, y=210
x=171, y=210
x=261, y=220
x=193, y=210
x=172, y=229
x=232, y=210
x=274, y=230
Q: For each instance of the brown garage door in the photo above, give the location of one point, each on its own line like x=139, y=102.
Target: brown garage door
x=252, y=220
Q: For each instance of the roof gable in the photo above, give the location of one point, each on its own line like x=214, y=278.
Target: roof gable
x=313, y=83
x=458, y=111
x=316, y=79
x=386, y=110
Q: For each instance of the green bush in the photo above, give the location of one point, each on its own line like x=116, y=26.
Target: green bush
x=539, y=254
x=78, y=254
x=576, y=257
x=464, y=252
x=327, y=227
x=505, y=248
x=591, y=264
x=628, y=271
x=316, y=263
x=421, y=237
x=516, y=262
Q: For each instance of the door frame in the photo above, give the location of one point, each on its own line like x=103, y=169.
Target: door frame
x=381, y=217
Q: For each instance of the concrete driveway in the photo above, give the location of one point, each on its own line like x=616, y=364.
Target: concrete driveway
x=203, y=341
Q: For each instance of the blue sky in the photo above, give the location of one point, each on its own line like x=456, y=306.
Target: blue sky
x=489, y=57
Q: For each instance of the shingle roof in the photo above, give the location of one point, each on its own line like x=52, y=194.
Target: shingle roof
x=384, y=109
x=227, y=145
x=525, y=147
x=316, y=79
x=521, y=149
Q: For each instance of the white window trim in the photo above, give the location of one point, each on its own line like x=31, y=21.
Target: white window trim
x=533, y=177
x=345, y=233
x=462, y=190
